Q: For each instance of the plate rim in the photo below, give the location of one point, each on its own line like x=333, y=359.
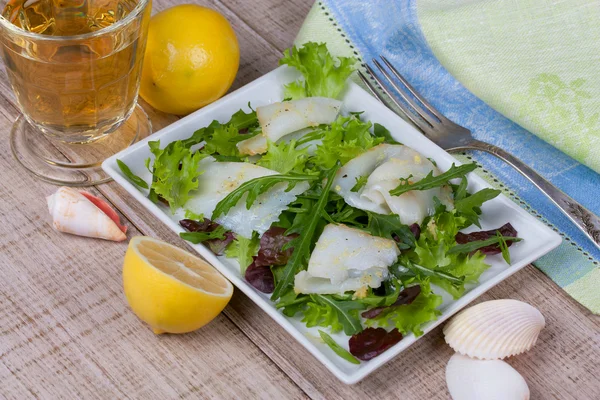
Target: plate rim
x=111, y=168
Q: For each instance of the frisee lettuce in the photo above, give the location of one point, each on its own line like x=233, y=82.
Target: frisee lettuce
x=323, y=75
x=346, y=138
x=175, y=172
x=411, y=317
x=323, y=310
x=284, y=157
x=243, y=249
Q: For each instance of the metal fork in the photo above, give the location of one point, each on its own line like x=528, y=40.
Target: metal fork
x=453, y=137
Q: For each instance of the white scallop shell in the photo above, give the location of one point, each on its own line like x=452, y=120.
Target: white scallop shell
x=472, y=379
x=495, y=329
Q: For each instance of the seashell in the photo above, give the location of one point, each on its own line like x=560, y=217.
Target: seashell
x=83, y=214
x=471, y=379
x=495, y=329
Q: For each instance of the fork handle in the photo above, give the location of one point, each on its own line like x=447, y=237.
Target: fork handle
x=585, y=220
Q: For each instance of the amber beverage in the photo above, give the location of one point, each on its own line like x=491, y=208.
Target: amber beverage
x=74, y=65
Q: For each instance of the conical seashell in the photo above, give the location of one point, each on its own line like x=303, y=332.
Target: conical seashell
x=472, y=379
x=83, y=214
x=494, y=329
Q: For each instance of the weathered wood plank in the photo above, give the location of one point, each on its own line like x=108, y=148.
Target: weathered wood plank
x=66, y=330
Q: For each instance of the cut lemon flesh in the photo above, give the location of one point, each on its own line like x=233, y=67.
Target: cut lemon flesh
x=169, y=288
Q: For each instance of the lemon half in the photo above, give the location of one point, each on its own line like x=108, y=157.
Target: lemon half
x=170, y=289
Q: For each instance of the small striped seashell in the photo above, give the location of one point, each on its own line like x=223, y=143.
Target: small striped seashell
x=495, y=329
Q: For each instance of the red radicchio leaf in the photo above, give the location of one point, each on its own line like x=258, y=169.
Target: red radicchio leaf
x=372, y=342
x=416, y=230
x=261, y=277
x=505, y=230
x=406, y=296
x=271, y=248
x=217, y=246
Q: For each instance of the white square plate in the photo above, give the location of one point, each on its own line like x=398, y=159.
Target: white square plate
x=538, y=238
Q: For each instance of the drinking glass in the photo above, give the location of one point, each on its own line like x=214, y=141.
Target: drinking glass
x=74, y=66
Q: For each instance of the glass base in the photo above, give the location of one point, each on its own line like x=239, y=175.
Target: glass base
x=71, y=164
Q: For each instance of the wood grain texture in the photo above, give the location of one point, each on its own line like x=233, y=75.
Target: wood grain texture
x=66, y=331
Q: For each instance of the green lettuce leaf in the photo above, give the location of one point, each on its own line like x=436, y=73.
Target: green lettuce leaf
x=346, y=138
x=323, y=76
x=284, y=157
x=175, y=172
x=243, y=249
x=324, y=311
x=410, y=317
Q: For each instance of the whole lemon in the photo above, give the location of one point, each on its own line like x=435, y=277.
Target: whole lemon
x=191, y=59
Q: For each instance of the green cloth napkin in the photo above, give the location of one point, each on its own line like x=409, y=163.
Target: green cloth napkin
x=535, y=61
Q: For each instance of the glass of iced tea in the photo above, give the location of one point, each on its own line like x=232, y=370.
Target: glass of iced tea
x=74, y=66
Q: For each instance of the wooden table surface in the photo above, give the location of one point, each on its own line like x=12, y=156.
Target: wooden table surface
x=66, y=330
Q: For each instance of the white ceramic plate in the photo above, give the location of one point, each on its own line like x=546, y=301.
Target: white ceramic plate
x=538, y=238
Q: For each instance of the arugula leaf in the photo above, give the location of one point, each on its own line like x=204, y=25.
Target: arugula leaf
x=291, y=303
x=382, y=132
x=410, y=317
x=199, y=237
x=460, y=191
x=256, y=187
x=222, y=138
x=175, y=172
x=284, y=157
x=322, y=77
x=389, y=226
x=302, y=244
x=361, y=181
x=131, y=176
x=323, y=310
x=469, y=206
x=243, y=249
x=477, y=244
x=503, y=247
x=339, y=350
x=431, y=181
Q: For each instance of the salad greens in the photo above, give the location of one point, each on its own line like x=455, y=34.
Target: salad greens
x=339, y=350
x=322, y=77
x=131, y=176
x=434, y=254
x=430, y=181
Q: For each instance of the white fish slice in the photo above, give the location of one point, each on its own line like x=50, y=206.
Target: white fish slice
x=81, y=213
x=385, y=165
x=471, y=379
x=346, y=259
x=280, y=119
x=221, y=178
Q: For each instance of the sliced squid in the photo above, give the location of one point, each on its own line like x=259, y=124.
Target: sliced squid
x=385, y=165
x=280, y=119
x=346, y=259
x=221, y=178
x=83, y=214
